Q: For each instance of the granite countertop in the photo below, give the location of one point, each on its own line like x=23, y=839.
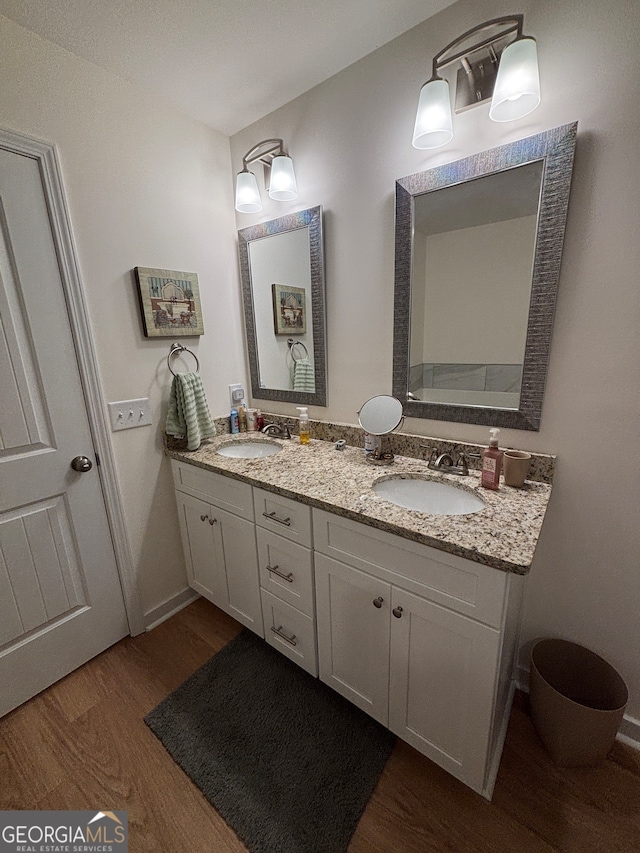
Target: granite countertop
x=503, y=535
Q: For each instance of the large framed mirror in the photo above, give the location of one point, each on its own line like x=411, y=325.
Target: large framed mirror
x=478, y=246
x=282, y=271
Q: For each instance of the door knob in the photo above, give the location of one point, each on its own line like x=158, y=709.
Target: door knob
x=377, y=602
x=81, y=463
x=397, y=612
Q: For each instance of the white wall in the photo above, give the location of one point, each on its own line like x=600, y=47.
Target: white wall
x=351, y=139
x=146, y=186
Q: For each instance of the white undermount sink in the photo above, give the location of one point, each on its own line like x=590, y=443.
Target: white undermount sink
x=428, y=496
x=249, y=449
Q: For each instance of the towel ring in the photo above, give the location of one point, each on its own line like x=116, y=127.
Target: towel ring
x=292, y=344
x=176, y=349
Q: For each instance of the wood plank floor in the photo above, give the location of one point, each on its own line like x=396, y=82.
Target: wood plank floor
x=82, y=744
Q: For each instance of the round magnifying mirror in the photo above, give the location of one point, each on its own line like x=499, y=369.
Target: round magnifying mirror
x=380, y=415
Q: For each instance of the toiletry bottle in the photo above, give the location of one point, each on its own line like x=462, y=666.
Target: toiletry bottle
x=233, y=421
x=242, y=417
x=304, y=424
x=372, y=445
x=259, y=420
x=492, y=462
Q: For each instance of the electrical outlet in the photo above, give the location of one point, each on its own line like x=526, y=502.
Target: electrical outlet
x=127, y=414
x=236, y=395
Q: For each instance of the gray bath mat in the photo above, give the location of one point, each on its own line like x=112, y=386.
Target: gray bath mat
x=286, y=761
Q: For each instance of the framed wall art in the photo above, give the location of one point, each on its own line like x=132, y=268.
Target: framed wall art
x=289, y=309
x=169, y=302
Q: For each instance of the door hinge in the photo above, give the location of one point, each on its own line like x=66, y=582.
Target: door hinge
x=97, y=460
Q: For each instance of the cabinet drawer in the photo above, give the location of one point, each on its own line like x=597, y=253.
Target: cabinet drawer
x=461, y=585
x=284, y=516
x=225, y=492
x=290, y=631
x=286, y=570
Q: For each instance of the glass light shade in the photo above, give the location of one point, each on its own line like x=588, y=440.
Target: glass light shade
x=282, y=183
x=517, y=89
x=434, y=126
x=247, y=193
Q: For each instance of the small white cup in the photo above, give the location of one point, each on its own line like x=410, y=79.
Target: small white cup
x=516, y=467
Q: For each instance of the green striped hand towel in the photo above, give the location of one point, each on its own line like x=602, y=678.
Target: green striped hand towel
x=304, y=378
x=188, y=415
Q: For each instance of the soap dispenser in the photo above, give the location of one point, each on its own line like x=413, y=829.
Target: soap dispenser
x=492, y=462
x=304, y=425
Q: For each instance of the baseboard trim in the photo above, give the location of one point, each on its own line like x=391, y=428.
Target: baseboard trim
x=168, y=608
x=629, y=731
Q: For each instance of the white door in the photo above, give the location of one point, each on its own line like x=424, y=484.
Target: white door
x=60, y=596
x=443, y=678
x=353, y=635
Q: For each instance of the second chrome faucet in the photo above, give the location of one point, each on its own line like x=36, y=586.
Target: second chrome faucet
x=444, y=462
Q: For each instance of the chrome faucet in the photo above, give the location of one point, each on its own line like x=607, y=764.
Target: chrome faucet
x=277, y=430
x=444, y=462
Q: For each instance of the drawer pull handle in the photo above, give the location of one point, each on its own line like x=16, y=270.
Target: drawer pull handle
x=204, y=517
x=273, y=517
x=377, y=602
x=274, y=570
x=280, y=633
x=397, y=612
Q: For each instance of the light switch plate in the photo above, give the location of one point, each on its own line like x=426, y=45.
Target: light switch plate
x=127, y=414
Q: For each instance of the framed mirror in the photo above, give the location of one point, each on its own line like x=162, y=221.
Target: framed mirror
x=282, y=272
x=478, y=246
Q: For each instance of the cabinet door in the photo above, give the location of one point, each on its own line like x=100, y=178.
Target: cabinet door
x=353, y=635
x=443, y=678
x=205, y=573
x=235, y=549
x=220, y=553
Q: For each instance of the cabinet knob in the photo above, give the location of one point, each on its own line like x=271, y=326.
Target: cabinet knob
x=204, y=517
x=213, y=521
x=377, y=602
x=397, y=612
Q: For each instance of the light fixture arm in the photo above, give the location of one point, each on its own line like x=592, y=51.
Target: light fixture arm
x=263, y=152
x=512, y=24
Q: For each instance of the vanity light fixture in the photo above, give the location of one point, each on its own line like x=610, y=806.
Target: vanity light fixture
x=494, y=60
x=279, y=177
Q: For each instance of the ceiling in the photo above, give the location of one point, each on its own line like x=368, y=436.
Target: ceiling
x=227, y=63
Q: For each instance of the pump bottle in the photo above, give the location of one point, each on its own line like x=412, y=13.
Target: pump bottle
x=304, y=425
x=492, y=462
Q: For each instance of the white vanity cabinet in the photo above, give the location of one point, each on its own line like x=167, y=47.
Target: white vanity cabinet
x=421, y=640
x=285, y=563
x=218, y=536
